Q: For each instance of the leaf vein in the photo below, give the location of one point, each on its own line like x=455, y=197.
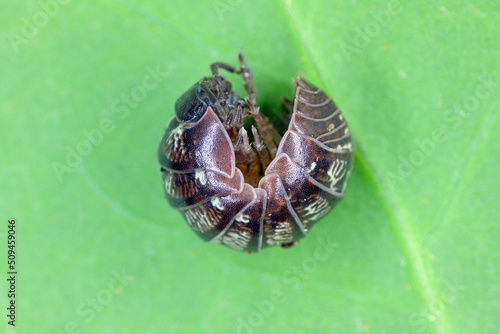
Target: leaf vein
x=401, y=229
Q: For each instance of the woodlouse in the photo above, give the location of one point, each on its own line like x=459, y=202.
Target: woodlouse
x=250, y=192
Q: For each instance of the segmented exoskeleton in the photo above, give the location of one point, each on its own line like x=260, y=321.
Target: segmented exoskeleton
x=252, y=192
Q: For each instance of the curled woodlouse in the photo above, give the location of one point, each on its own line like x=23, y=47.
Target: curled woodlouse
x=253, y=191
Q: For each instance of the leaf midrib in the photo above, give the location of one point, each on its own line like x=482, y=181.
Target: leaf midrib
x=401, y=229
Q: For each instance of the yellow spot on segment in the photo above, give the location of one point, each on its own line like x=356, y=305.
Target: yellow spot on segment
x=408, y=287
x=313, y=165
x=217, y=204
x=200, y=176
x=385, y=46
x=242, y=218
x=426, y=201
x=431, y=256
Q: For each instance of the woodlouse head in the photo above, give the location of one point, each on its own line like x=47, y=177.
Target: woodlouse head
x=215, y=92
x=190, y=106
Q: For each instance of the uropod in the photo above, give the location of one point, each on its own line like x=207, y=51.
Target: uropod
x=239, y=182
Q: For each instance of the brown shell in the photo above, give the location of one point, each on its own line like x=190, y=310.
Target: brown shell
x=304, y=181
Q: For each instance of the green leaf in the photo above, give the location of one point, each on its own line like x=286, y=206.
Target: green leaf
x=86, y=91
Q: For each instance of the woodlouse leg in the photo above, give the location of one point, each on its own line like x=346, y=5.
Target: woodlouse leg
x=213, y=99
x=234, y=119
x=214, y=68
x=270, y=136
x=261, y=149
x=246, y=74
x=244, y=71
x=242, y=148
x=246, y=160
x=234, y=123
